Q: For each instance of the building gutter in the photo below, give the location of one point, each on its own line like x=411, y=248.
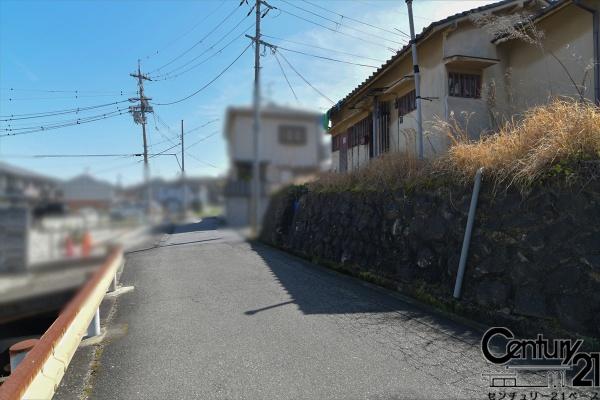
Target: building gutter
x=596, y=34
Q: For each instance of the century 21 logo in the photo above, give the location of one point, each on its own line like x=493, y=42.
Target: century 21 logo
x=530, y=352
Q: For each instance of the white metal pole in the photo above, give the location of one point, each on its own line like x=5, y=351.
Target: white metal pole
x=256, y=162
x=417, y=80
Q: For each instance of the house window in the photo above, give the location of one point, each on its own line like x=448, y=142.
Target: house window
x=406, y=103
x=292, y=135
x=464, y=85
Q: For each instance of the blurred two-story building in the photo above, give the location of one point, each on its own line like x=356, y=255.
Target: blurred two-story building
x=290, y=149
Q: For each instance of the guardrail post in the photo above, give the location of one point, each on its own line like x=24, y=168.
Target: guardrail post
x=18, y=351
x=94, y=327
x=114, y=284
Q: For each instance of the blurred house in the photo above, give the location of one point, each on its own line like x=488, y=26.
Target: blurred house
x=85, y=191
x=480, y=67
x=170, y=195
x=290, y=148
x=19, y=186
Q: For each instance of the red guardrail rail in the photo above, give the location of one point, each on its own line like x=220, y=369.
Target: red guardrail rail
x=21, y=380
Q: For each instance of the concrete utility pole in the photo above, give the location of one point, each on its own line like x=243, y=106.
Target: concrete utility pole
x=417, y=80
x=255, y=203
x=139, y=117
x=183, y=172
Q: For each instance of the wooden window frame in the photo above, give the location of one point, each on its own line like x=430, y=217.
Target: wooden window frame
x=465, y=85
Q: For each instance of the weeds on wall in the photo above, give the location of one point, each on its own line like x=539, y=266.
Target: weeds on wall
x=549, y=141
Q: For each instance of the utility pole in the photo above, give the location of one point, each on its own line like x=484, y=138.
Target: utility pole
x=139, y=117
x=417, y=80
x=255, y=203
x=184, y=196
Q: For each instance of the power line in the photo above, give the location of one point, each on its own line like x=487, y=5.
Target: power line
x=209, y=83
x=285, y=76
x=12, y=117
x=203, y=125
x=201, y=161
x=69, y=155
x=115, y=93
x=205, y=51
x=164, y=151
x=167, y=76
x=203, y=139
x=61, y=97
x=342, y=25
x=305, y=80
x=340, y=32
x=78, y=122
x=197, y=24
x=20, y=126
x=356, y=20
x=327, y=58
x=323, y=48
x=199, y=41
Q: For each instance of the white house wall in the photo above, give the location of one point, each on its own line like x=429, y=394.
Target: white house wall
x=271, y=150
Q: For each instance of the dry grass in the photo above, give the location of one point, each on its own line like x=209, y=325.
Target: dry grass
x=522, y=151
x=561, y=132
x=386, y=172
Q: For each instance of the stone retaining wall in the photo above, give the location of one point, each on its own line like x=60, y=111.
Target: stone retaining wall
x=534, y=262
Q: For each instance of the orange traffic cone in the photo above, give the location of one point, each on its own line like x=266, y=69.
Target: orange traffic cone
x=69, y=247
x=86, y=244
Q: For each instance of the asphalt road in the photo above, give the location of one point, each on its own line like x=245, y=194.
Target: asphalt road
x=215, y=317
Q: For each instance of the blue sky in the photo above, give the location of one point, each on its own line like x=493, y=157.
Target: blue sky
x=92, y=46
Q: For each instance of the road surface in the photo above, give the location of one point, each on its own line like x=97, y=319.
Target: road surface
x=215, y=317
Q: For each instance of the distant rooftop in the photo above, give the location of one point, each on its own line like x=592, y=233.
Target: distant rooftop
x=9, y=169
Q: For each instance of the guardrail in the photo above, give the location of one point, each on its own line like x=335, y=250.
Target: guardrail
x=40, y=372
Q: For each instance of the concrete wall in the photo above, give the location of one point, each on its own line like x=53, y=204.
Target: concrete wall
x=237, y=210
x=14, y=233
x=534, y=74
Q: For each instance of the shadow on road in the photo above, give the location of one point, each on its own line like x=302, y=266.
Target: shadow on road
x=206, y=224
x=316, y=290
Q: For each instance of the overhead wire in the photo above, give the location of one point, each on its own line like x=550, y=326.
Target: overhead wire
x=197, y=24
x=285, y=76
x=167, y=76
x=78, y=122
x=205, y=51
x=202, y=161
x=69, y=155
x=76, y=91
x=339, y=32
x=357, y=20
x=339, y=24
x=327, y=58
x=13, y=117
x=305, y=80
x=207, y=84
x=203, y=139
x=199, y=41
x=10, y=99
x=26, y=125
x=322, y=48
